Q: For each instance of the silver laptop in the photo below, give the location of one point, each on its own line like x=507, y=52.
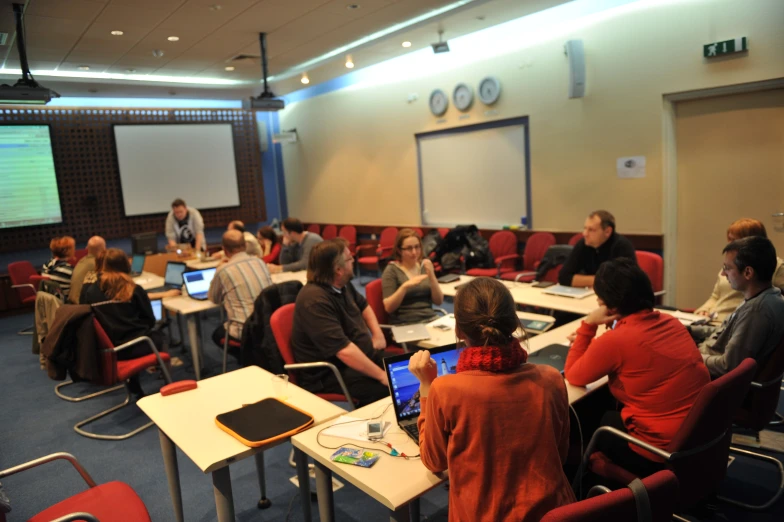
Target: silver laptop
x=410, y=333
x=569, y=291
x=197, y=283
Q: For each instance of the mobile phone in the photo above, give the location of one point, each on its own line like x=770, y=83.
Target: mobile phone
x=375, y=430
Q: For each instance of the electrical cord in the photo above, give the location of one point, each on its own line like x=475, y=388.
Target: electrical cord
x=291, y=504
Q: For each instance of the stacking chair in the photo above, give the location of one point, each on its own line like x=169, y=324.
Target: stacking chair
x=443, y=231
x=114, y=371
x=535, y=248
x=228, y=341
x=418, y=232
x=386, y=245
x=575, y=238
x=24, y=279
x=349, y=233
x=503, y=246
x=110, y=502
x=602, y=505
x=329, y=232
x=281, y=322
x=653, y=266
x=314, y=229
x=699, y=452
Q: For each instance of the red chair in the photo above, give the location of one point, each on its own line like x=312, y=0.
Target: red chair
x=79, y=254
x=503, y=246
x=329, y=232
x=653, y=265
x=386, y=245
x=375, y=298
x=111, y=502
x=314, y=229
x=114, y=371
x=349, y=233
x=698, y=454
x=443, y=232
x=281, y=323
x=575, y=238
x=535, y=248
x=25, y=280
x=227, y=342
x=418, y=232
x=661, y=488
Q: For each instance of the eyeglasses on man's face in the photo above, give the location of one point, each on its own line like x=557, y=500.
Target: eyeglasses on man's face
x=411, y=248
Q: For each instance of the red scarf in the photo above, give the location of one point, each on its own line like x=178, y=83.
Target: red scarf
x=492, y=358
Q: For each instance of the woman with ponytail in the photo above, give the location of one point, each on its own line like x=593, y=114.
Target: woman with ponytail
x=500, y=425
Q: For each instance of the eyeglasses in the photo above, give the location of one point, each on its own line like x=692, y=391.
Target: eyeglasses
x=412, y=248
x=725, y=268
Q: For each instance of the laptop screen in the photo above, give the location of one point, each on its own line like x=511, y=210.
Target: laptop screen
x=157, y=309
x=137, y=264
x=198, y=282
x=404, y=387
x=174, y=271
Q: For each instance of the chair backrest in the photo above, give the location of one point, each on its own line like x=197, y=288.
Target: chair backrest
x=504, y=243
x=20, y=273
x=314, y=228
x=386, y=243
x=281, y=322
x=329, y=232
x=708, y=420
x=443, y=232
x=575, y=238
x=759, y=406
x=418, y=232
x=375, y=298
x=107, y=357
x=349, y=233
x=653, y=265
x=79, y=254
x=662, y=488
x=535, y=248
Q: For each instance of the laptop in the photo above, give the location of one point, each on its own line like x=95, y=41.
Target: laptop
x=137, y=265
x=552, y=355
x=410, y=333
x=172, y=280
x=197, y=283
x=569, y=291
x=404, y=387
x=157, y=309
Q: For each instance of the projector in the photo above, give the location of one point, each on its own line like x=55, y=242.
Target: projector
x=25, y=94
x=263, y=104
x=440, y=47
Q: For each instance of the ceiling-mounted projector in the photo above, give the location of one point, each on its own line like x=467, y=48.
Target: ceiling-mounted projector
x=266, y=101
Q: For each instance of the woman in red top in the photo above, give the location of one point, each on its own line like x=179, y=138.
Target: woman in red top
x=499, y=425
x=270, y=244
x=654, y=367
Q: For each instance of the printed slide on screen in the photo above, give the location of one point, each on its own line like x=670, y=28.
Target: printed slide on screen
x=28, y=185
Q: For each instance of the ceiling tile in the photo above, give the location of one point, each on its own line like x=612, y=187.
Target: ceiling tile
x=132, y=15
x=53, y=33
x=65, y=9
x=339, y=7
x=198, y=16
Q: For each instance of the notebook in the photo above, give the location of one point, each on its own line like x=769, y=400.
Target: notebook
x=197, y=283
x=137, y=264
x=404, y=387
x=569, y=291
x=552, y=355
x=172, y=280
x=410, y=333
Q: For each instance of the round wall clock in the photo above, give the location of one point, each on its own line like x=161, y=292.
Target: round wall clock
x=463, y=97
x=489, y=90
x=439, y=102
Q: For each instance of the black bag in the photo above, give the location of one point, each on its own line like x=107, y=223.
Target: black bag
x=478, y=254
x=556, y=255
x=430, y=242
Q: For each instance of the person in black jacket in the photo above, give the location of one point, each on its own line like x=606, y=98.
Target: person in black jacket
x=600, y=243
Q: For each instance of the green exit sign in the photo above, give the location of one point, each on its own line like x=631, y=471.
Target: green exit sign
x=736, y=45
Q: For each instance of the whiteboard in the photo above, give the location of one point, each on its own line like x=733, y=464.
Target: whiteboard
x=160, y=163
x=474, y=176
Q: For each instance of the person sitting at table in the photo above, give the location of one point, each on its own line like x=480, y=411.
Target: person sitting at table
x=333, y=323
x=297, y=244
x=409, y=283
x=252, y=246
x=655, y=369
x=270, y=244
x=85, y=267
x=57, y=268
x=500, y=425
x=724, y=300
x=123, y=308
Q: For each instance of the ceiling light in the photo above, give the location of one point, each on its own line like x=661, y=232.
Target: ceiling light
x=117, y=33
x=305, y=80
x=216, y=7
x=406, y=44
x=229, y=68
x=351, y=7
x=174, y=38
x=84, y=67
x=349, y=62
x=130, y=71
x=157, y=53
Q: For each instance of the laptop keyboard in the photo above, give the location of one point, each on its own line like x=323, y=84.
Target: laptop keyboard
x=413, y=430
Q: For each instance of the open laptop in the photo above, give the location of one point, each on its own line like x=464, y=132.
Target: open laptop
x=569, y=291
x=172, y=280
x=137, y=265
x=552, y=355
x=197, y=283
x=410, y=333
x=404, y=387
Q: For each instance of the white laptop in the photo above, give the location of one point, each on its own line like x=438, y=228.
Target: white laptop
x=410, y=333
x=569, y=291
x=197, y=283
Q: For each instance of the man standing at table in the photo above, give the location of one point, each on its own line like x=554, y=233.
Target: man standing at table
x=297, y=244
x=184, y=224
x=333, y=323
x=600, y=243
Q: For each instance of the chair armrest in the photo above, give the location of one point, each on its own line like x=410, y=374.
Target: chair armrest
x=660, y=292
x=50, y=458
x=24, y=285
x=499, y=260
x=388, y=250
x=608, y=431
x=145, y=339
x=523, y=274
x=323, y=364
x=366, y=247
x=773, y=382
x=72, y=517
x=598, y=490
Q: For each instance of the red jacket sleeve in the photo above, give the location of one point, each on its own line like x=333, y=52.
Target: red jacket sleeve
x=591, y=359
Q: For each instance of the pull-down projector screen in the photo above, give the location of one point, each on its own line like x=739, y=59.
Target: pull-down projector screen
x=160, y=163
x=28, y=185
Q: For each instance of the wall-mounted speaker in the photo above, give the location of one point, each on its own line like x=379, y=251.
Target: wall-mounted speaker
x=576, y=55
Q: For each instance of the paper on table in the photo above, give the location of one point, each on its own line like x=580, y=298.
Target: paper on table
x=353, y=428
x=447, y=321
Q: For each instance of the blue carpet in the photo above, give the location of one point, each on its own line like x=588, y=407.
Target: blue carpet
x=36, y=423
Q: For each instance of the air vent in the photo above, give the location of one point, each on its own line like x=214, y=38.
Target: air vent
x=244, y=57
x=3, y=38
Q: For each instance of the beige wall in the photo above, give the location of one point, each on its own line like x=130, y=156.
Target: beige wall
x=356, y=160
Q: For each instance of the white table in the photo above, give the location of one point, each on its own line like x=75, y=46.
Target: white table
x=201, y=264
x=187, y=421
x=148, y=280
x=439, y=337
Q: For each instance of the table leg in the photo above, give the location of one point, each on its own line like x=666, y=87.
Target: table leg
x=169, y=451
x=264, y=502
x=224, y=500
x=303, y=476
x=324, y=492
x=193, y=338
x=401, y=514
x=414, y=508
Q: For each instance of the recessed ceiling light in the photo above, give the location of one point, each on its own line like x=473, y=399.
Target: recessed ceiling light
x=84, y=67
x=92, y=91
x=229, y=68
x=174, y=38
x=216, y=7
x=157, y=53
x=351, y=7
x=305, y=80
x=117, y=33
x=130, y=71
x=406, y=44
x=349, y=62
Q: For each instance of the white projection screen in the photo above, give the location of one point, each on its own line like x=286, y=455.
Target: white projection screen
x=162, y=162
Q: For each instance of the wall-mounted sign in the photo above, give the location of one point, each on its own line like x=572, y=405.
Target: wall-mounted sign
x=735, y=45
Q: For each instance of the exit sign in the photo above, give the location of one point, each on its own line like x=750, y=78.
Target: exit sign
x=736, y=45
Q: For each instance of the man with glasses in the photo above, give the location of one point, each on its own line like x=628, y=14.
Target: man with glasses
x=600, y=243
x=756, y=327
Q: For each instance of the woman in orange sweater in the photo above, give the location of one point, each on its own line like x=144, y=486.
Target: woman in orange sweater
x=500, y=425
